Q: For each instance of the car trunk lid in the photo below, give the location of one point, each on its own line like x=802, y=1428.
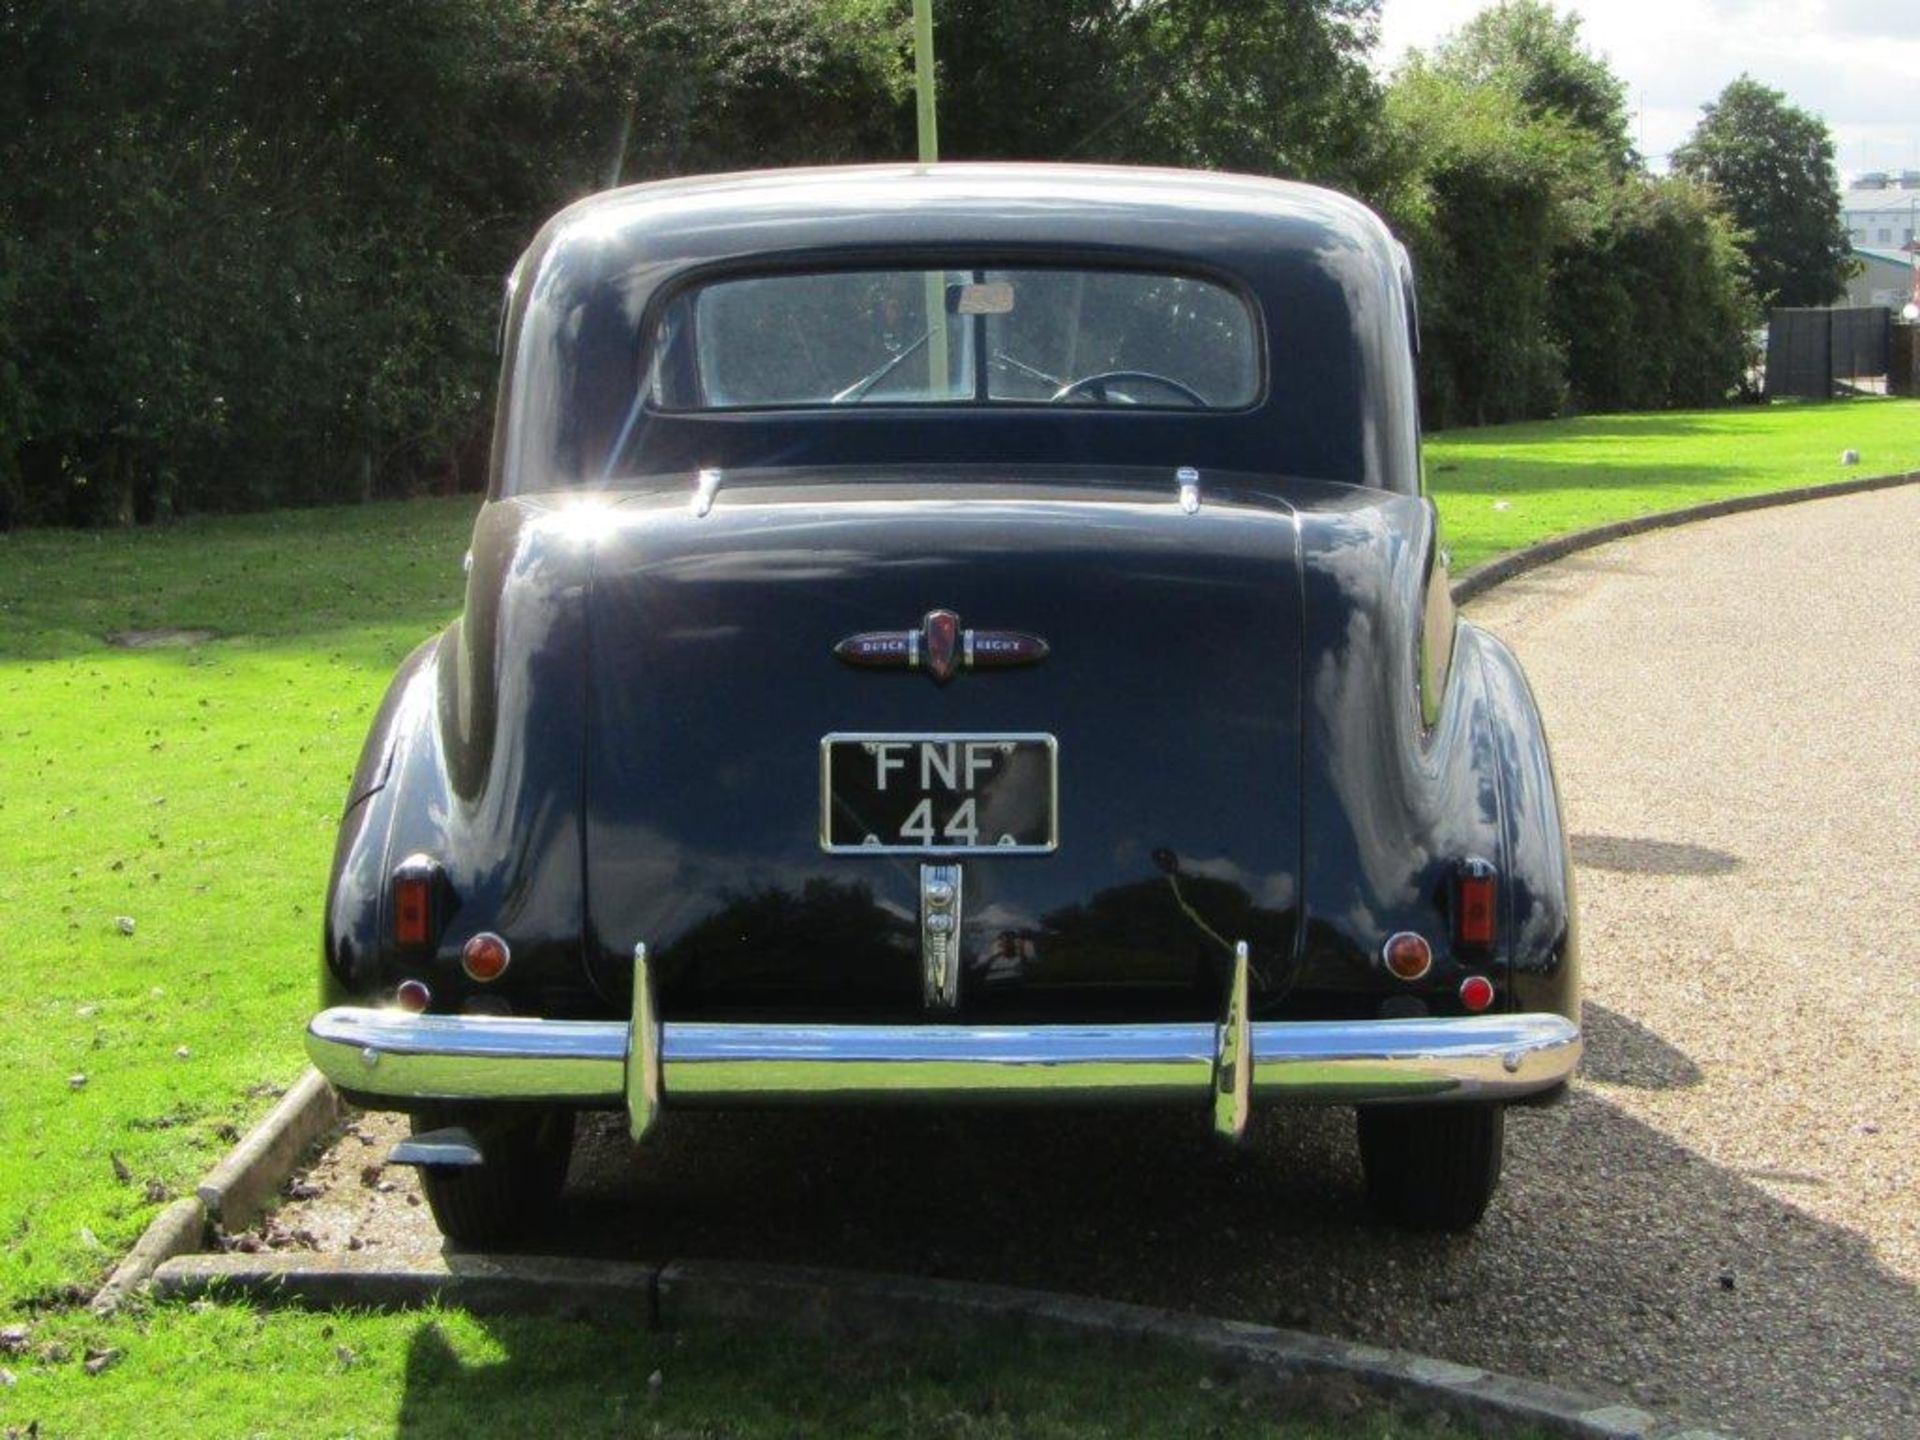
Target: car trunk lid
x=1169, y=690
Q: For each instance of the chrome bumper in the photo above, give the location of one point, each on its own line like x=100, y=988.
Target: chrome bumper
x=645, y=1063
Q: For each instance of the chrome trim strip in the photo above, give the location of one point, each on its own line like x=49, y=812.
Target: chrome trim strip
x=719, y=1064
x=1233, y=1055
x=827, y=742
x=643, y=1051
x=940, y=914
x=470, y=1057
x=1189, y=482
x=457, y=1057
x=705, y=488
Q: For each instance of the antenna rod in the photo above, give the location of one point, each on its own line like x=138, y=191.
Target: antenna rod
x=929, y=131
x=923, y=81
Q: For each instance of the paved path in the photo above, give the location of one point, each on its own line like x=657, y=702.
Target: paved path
x=1723, y=1221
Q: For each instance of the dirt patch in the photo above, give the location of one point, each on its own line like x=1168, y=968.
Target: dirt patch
x=162, y=637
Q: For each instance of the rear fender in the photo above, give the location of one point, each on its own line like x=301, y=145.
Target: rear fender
x=474, y=761
x=1423, y=748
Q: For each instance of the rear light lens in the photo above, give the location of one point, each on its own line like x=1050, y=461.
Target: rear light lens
x=485, y=957
x=413, y=996
x=416, y=884
x=1407, y=956
x=1476, y=893
x=1476, y=992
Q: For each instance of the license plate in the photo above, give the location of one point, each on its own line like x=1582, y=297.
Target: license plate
x=914, y=794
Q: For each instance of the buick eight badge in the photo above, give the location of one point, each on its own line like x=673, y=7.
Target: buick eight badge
x=940, y=646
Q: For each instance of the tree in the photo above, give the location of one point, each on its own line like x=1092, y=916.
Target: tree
x=1529, y=47
x=1277, y=87
x=250, y=254
x=1487, y=197
x=1772, y=164
x=1652, y=304
x=1555, y=273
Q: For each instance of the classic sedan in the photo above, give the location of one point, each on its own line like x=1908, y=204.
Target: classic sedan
x=954, y=635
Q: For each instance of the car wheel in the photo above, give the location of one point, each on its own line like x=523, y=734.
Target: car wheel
x=526, y=1153
x=1432, y=1167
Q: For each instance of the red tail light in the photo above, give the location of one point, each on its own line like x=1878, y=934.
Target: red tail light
x=485, y=957
x=1476, y=993
x=1476, y=894
x=1407, y=956
x=415, y=886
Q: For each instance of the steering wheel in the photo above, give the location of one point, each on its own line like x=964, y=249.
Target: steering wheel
x=1096, y=385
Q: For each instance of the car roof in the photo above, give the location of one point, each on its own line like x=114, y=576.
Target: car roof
x=1322, y=270
x=1197, y=214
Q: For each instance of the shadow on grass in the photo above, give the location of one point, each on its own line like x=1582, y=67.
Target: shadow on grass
x=1656, y=425
x=1588, y=470
x=1614, y=1261
x=289, y=579
x=617, y=1378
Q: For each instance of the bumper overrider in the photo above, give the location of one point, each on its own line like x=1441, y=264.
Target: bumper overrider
x=644, y=1064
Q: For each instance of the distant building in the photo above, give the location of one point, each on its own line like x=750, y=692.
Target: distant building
x=1885, y=278
x=1881, y=210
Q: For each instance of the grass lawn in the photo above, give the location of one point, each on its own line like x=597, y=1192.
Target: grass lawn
x=226, y=1370
x=1510, y=485
x=191, y=792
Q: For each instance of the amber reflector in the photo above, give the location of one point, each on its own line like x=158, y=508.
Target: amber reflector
x=485, y=957
x=1475, y=891
x=1408, y=956
x=413, y=909
x=1476, y=992
x=413, y=995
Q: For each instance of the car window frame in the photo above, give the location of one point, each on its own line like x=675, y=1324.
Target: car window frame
x=947, y=258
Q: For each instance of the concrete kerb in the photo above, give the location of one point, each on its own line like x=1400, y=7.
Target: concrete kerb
x=1302, y=1370
x=237, y=1190
x=235, y=1193
x=1502, y=568
x=240, y=1188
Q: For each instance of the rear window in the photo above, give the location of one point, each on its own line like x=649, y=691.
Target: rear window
x=1020, y=337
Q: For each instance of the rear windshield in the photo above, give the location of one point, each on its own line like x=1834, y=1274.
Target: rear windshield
x=1021, y=337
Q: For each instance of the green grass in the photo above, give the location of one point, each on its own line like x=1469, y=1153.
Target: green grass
x=228, y=1370
x=194, y=791
x=1566, y=475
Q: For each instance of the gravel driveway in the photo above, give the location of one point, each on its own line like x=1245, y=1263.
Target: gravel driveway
x=1722, y=1222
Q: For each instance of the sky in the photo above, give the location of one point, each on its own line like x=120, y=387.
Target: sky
x=1854, y=63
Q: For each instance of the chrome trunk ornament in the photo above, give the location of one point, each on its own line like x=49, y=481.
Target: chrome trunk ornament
x=1188, y=479
x=940, y=936
x=940, y=647
x=1233, y=1055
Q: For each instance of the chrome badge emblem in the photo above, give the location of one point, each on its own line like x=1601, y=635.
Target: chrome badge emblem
x=940, y=646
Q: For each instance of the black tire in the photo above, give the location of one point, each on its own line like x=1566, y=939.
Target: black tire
x=526, y=1150
x=1432, y=1167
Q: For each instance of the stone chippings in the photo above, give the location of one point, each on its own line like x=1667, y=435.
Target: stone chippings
x=1735, y=720
x=1722, y=1222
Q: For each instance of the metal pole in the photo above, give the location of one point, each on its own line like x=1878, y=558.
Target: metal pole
x=927, y=123
x=923, y=81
